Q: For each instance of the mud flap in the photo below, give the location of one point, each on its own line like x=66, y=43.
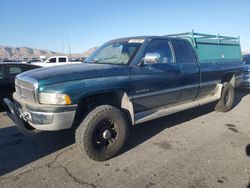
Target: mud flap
x=16, y=117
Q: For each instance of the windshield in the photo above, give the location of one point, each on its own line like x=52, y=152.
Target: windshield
x=115, y=53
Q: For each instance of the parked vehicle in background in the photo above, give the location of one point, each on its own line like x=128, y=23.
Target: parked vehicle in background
x=75, y=60
x=32, y=61
x=24, y=60
x=9, y=61
x=8, y=72
x=246, y=70
x=55, y=61
x=126, y=82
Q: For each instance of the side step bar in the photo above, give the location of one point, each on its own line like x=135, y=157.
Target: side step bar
x=157, y=113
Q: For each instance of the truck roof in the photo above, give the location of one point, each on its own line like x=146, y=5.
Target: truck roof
x=141, y=37
x=191, y=36
x=56, y=56
x=208, y=47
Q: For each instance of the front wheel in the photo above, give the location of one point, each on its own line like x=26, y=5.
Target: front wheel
x=227, y=98
x=102, y=134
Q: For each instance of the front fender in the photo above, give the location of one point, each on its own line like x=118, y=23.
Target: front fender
x=79, y=89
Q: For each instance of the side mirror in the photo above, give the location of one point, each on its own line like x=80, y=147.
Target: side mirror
x=151, y=58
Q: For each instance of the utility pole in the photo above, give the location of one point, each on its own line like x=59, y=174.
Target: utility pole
x=62, y=44
x=69, y=47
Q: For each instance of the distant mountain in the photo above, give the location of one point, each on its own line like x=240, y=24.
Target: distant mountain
x=84, y=54
x=89, y=52
x=25, y=52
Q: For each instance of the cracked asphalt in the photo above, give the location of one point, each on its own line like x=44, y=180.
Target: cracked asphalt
x=194, y=148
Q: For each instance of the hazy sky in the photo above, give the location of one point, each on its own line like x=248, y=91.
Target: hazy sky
x=89, y=23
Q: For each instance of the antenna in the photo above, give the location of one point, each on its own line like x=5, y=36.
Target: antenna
x=62, y=44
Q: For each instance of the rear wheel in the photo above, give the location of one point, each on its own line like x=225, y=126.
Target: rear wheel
x=102, y=134
x=227, y=98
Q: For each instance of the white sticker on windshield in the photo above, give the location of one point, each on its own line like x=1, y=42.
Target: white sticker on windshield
x=136, y=41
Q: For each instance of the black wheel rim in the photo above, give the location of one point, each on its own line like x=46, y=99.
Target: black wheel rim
x=105, y=135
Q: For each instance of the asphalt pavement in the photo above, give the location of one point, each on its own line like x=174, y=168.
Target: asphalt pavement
x=195, y=148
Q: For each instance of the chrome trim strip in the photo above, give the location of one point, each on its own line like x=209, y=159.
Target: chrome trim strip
x=174, y=89
x=164, y=91
x=167, y=110
x=210, y=83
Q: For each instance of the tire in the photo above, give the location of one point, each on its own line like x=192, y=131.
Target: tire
x=102, y=134
x=227, y=98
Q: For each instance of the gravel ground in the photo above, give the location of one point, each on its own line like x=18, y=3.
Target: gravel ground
x=194, y=148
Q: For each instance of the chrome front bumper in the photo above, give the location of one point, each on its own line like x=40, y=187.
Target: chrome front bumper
x=31, y=118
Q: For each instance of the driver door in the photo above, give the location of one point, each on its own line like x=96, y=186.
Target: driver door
x=156, y=85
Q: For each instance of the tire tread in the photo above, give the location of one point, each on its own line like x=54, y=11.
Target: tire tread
x=85, y=127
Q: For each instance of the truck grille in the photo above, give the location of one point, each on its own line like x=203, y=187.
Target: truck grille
x=26, y=88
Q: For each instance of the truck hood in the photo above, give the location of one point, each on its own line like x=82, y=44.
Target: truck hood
x=57, y=74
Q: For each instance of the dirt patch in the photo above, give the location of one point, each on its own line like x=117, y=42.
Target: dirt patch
x=233, y=129
x=230, y=125
x=149, y=184
x=222, y=179
x=163, y=145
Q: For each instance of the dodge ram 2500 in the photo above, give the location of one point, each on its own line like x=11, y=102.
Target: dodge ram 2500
x=126, y=82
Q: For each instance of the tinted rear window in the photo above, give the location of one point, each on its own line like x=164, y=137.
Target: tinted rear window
x=52, y=60
x=14, y=70
x=62, y=59
x=183, y=51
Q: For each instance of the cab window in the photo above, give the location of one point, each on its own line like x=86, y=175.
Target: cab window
x=62, y=59
x=13, y=70
x=184, y=52
x=162, y=47
x=52, y=60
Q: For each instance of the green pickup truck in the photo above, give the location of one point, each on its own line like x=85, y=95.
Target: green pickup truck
x=126, y=82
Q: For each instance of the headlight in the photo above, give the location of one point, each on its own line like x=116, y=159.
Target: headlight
x=54, y=98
